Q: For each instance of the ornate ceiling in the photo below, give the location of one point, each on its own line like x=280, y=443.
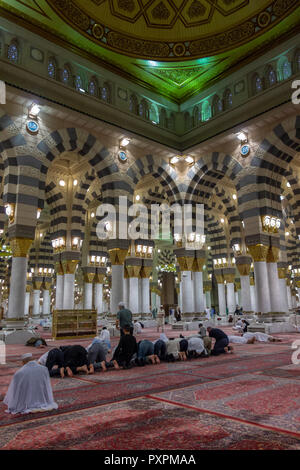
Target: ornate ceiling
x=175, y=47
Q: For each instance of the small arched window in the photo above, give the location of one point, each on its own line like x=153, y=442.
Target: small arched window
x=217, y=105
x=133, y=104
x=93, y=87
x=257, y=84
x=153, y=114
x=106, y=93
x=284, y=69
x=228, y=99
x=271, y=76
x=13, y=52
x=196, y=115
x=206, y=111
x=78, y=83
x=52, y=68
x=66, y=75
x=143, y=109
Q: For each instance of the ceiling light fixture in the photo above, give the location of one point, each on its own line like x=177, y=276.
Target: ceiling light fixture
x=62, y=183
x=33, y=110
x=243, y=137
x=124, y=142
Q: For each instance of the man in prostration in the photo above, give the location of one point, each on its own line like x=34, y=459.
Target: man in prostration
x=125, y=350
x=30, y=389
x=124, y=317
x=222, y=342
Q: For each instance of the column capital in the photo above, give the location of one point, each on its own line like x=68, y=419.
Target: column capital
x=88, y=277
x=198, y=264
x=273, y=254
x=99, y=278
x=69, y=266
x=282, y=273
x=185, y=263
x=243, y=264
x=258, y=252
x=20, y=246
x=117, y=256
x=37, y=284
x=229, y=278
x=133, y=271
x=145, y=272
x=219, y=276
x=59, y=268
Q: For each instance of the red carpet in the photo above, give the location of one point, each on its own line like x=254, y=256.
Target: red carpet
x=248, y=400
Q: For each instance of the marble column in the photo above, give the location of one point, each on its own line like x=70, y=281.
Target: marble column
x=208, y=299
x=18, y=279
x=289, y=295
x=134, y=292
x=59, y=291
x=282, y=274
x=253, y=295
x=140, y=296
x=145, y=291
x=243, y=265
x=231, y=304
x=36, y=298
x=88, y=291
x=259, y=255
x=117, y=257
x=69, y=267
x=126, y=287
x=222, y=299
x=27, y=301
x=274, y=287
x=46, y=299
x=198, y=281
x=187, y=292
x=98, y=293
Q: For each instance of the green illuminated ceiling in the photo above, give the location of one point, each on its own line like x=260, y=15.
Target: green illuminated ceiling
x=175, y=48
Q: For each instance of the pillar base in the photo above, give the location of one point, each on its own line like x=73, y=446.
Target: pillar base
x=14, y=323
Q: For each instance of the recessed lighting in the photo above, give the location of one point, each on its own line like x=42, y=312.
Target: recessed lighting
x=124, y=142
x=189, y=159
x=75, y=182
x=62, y=183
x=34, y=110
x=287, y=234
x=174, y=160
x=242, y=136
x=288, y=184
x=222, y=221
x=137, y=197
x=92, y=215
x=234, y=196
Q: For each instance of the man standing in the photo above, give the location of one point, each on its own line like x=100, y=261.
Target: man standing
x=222, y=341
x=124, y=317
x=30, y=389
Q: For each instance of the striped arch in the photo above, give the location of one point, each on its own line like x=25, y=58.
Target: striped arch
x=86, y=145
x=260, y=189
x=207, y=171
x=159, y=169
x=56, y=201
x=216, y=236
x=231, y=212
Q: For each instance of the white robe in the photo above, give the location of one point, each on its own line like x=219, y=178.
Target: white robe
x=195, y=344
x=30, y=390
x=237, y=339
x=261, y=337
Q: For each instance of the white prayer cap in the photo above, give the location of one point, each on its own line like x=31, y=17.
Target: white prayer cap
x=26, y=356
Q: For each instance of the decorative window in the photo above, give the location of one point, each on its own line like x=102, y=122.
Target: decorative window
x=228, y=99
x=133, y=104
x=52, y=68
x=206, y=111
x=257, y=82
x=217, y=105
x=105, y=93
x=13, y=52
x=196, y=116
x=66, y=75
x=93, y=87
x=284, y=69
x=271, y=76
x=78, y=83
x=153, y=114
x=143, y=109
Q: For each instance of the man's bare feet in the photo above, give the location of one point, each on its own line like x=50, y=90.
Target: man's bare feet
x=62, y=372
x=83, y=369
x=91, y=369
x=116, y=365
x=103, y=366
x=152, y=359
x=69, y=372
x=157, y=360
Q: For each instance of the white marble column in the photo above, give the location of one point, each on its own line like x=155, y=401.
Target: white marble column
x=253, y=298
x=275, y=291
x=68, y=292
x=187, y=292
x=245, y=293
x=231, y=303
x=98, y=297
x=145, y=295
x=180, y=296
x=262, y=287
x=88, y=296
x=126, y=291
x=27, y=301
x=140, y=289
x=46, y=302
x=116, y=293
x=59, y=292
x=284, y=297
x=208, y=299
x=134, y=294
x=18, y=279
x=36, y=302
x=198, y=292
x=222, y=299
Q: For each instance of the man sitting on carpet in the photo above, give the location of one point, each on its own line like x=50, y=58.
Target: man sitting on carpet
x=30, y=389
x=125, y=350
x=222, y=341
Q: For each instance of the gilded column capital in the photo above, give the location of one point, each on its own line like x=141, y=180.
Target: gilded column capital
x=185, y=263
x=145, y=272
x=198, y=265
x=20, y=246
x=37, y=285
x=244, y=269
x=59, y=269
x=220, y=279
x=99, y=278
x=258, y=252
x=88, y=277
x=273, y=254
x=297, y=283
x=282, y=273
x=46, y=285
x=229, y=278
x=69, y=266
x=252, y=281
x=117, y=256
x=133, y=271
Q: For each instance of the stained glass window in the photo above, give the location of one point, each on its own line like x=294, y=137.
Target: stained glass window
x=228, y=99
x=272, y=77
x=104, y=93
x=78, y=83
x=286, y=70
x=258, y=84
x=206, y=111
x=12, y=52
x=92, y=88
x=65, y=75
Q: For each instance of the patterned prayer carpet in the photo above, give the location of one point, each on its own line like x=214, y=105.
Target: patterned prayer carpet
x=248, y=400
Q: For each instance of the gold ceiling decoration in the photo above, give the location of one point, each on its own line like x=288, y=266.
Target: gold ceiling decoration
x=174, y=29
